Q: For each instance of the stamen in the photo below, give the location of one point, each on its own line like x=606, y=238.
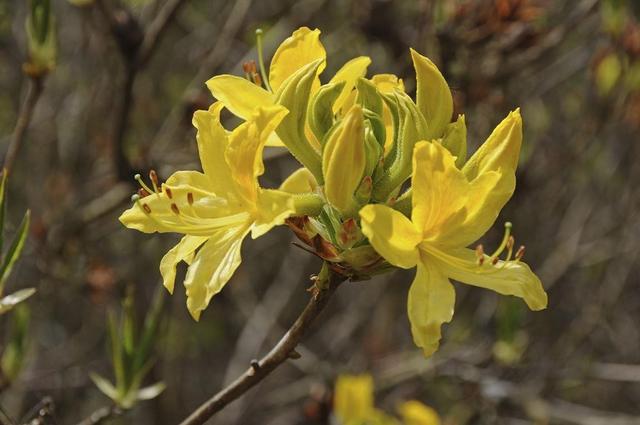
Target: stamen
x=480, y=254
x=520, y=253
x=136, y=198
x=505, y=239
x=167, y=190
x=154, y=180
x=190, y=198
x=143, y=193
x=141, y=182
x=175, y=209
x=146, y=208
x=263, y=71
x=257, y=79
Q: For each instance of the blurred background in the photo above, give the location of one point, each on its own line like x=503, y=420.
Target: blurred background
x=128, y=76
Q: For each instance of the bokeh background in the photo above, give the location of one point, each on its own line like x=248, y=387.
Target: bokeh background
x=572, y=66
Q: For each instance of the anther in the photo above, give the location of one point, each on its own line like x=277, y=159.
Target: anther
x=494, y=261
x=154, y=180
x=520, y=253
x=249, y=67
x=142, y=193
x=256, y=79
x=480, y=254
x=146, y=208
x=175, y=209
x=167, y=190
x=190, y=198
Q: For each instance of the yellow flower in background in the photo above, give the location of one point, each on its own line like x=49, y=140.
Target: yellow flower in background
x=353, y=404
x=215, y=209
x=452, y=208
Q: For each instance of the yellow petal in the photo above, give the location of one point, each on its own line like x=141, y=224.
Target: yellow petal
x=343, y=160
x=430, y=304
x=212, y=142
x=349, y=73
x=244, y=153
x=392, y=235
x=273, y=208
x=510, y=278
x=353, y=398
x=500, y=151
x=415, y=413
x=433, y=96
x=387, y=83
x=302, y=48
x=212, y=267
x=239, y=95
x=300, y=181
x=440, y=190
x=185, y=205
x=181, y=252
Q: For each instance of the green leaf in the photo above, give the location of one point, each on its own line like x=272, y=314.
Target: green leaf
x=15, y=249
x=152, y=391
x=294, y=94
x=150, y=329
x=3, y=208
x=369, y=96
x=321, y=108
x=117, y=353
x=105, y=387
x=8, y=302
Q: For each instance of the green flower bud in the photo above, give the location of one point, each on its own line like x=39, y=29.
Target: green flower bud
x=41, y=39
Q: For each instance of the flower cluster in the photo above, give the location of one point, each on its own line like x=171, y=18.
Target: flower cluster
x=360, y=142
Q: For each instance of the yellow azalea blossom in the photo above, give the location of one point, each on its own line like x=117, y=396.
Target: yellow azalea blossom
x=241, y=96
x=353, y=404
x=452, y=208
x=217, y=208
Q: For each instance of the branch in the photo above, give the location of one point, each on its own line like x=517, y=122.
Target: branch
x=101, y=415
x=156, y=29
x=284, y=349
x=26, y=113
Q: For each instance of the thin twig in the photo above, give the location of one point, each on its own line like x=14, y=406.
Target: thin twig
x=101, y=415
x=26, y=113
x=156, y=29
x=283, y=350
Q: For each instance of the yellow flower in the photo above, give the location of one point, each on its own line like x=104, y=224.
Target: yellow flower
x=353, y=404
x=215, y=209
x=452, y=208
x=301, y=49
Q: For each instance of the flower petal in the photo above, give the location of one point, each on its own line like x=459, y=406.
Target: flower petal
x=353, y=398
x=273, y=208
x=392, y=235
x=432, y=95
x=302, y=48
x=244, y=153
x=181, y=252
x=349, y=73
x=415, y=413
x=212, y=267
x=239, y=95
x=300, y=181
x=430, y=304
x=212, y=141
x=440, y=190
x=506, y=278
x=500, y=151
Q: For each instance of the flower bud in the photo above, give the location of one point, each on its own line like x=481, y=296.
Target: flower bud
x=344, y=160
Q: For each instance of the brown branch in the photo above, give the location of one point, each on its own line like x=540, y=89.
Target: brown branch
x=284, y=349
x=156, y=29
x=26, y=113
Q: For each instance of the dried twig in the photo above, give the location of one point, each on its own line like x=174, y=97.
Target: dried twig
x=278, y=355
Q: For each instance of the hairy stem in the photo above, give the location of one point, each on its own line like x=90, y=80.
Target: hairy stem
x=283, y=350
